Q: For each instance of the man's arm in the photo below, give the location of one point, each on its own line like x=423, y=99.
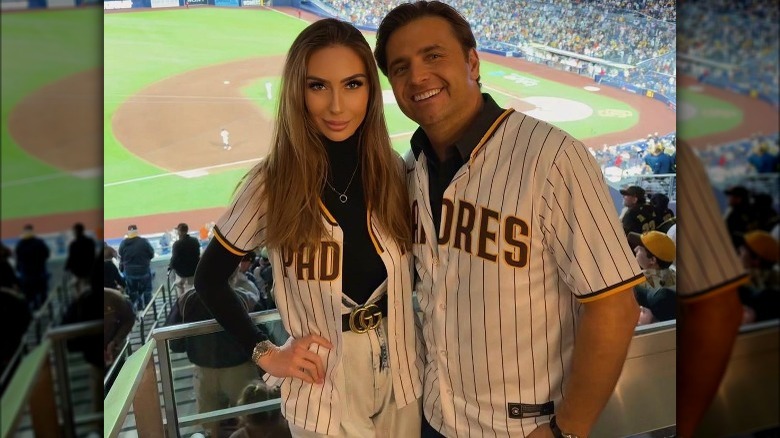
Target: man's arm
x=706, y=330
x=604, y=332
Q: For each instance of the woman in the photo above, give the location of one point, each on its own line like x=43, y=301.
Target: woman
x=330, y=203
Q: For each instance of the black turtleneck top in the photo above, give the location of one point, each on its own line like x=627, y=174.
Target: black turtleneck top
x=362, y=269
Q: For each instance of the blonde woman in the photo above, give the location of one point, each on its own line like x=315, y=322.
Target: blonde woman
x=330, y=204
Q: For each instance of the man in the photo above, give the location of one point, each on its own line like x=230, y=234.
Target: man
x=739, y=215
x=708, y=275
x=222, y=368
x=135, y=259
x=655, y=252
x=32, y=254
x=663, y=216
x=516, y=243
x=637, y=217
x=759, y=253
x=657, y=161
x=81, y=257
x=184, y=259
x=225, y=138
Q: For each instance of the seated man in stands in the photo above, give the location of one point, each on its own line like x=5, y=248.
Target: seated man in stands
x=655, y=252
x=664, y=216
x=759, y=255
x=638, y=217
x=221, y=367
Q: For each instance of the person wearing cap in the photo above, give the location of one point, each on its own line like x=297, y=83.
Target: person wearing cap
x=638, y=216
x=739, y=217
x=135, y=259
x=655, y=252
x=664, y=216
x=759, y=255
x=184, y=259
x=657, y=161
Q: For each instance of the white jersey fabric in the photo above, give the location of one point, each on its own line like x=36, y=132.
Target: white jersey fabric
x=528, y=232
x=707, y=262
x=308, y=294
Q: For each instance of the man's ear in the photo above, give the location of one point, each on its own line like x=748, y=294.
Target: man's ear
x=473, y=61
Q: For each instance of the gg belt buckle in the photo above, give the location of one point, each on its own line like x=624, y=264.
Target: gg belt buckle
x=363, y=319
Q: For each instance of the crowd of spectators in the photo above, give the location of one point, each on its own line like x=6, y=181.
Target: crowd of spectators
x=597, y=28
x=740, y=41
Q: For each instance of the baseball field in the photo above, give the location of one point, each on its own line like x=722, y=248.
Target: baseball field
x=173, y=78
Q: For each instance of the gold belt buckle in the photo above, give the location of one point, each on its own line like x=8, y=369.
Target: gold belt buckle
x=363, y=319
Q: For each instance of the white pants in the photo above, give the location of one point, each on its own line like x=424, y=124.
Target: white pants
x=368, y=408
x=183, y=284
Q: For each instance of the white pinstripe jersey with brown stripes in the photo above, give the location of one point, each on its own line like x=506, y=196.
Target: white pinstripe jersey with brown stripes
x=307, y=291
x=528, y=231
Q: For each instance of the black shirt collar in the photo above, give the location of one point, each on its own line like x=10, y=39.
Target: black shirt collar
x=466, y=144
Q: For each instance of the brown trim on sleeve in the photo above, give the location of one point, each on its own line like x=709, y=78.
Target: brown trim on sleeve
x=227, y=245
x=614, y=289
x=715, y=290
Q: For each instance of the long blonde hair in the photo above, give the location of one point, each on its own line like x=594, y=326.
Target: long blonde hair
x=293, y=174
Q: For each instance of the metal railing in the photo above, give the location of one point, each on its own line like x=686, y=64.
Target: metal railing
x=33, y=386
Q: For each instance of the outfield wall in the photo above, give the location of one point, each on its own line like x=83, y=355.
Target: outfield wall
x=631, y=88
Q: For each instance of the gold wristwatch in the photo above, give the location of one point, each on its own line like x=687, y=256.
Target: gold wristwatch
x=262, y=349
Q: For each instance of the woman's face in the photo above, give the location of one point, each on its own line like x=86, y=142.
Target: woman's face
x=337, y=91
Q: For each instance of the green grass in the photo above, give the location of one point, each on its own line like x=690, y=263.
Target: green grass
x=39, y=48
x=712, y=115
x=144, y=47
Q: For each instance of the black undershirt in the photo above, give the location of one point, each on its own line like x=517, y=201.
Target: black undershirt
x=362, y=269
x=440, y=173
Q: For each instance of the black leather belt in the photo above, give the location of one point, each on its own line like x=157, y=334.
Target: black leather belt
x=366, y=317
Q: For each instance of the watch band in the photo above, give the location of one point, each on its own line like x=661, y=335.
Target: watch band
x=261, y=349
x=557, y=432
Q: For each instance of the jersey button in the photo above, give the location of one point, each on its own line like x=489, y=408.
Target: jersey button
x=442, y=306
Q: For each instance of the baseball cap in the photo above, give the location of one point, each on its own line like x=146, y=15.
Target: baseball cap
x=762, y=244
x=658, y=243
x=637, y=191
x=740, y=191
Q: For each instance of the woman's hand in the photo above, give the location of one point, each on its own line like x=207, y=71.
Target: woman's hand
x=294, y=359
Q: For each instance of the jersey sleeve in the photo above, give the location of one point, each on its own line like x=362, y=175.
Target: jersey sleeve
x=707, y=261
x=241, y=228
x=581, y=228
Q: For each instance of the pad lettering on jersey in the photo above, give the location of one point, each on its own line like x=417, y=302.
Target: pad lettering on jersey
x=322, y=265
x=524, y=410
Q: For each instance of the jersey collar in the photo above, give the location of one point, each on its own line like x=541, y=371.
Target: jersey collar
x=465, y=146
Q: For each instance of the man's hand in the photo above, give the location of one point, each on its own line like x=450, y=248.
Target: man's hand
x=542, y=431
x=294, y=359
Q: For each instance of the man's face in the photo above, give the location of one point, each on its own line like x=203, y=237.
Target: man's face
x=629, y=200
x=745, y=257
x=644, y=260
x=434, y=82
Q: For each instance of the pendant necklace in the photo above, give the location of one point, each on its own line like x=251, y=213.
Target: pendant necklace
x=343, y=196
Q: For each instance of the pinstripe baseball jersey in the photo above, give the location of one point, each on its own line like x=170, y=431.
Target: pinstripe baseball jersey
x=528, y=231
x=707, y=262
x=308, y=294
